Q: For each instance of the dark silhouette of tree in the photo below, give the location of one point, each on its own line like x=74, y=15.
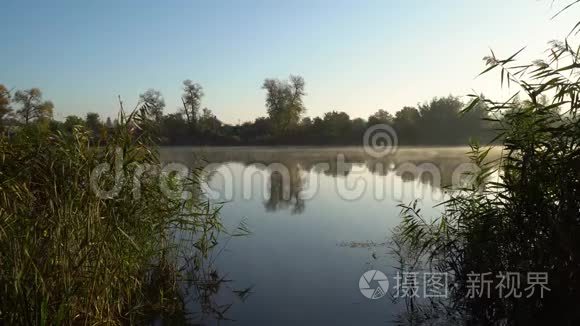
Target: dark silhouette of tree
x=94, y=124
x=438, y=118
x=306, y=122
x=208, y=122
x=257, y=132
x=406, y=125
x=174, y=129
x=32, y=107
x=381, y=117
x=191, y=98
x=4, y=105
x=336, y=126
x=71, y=121
x=153, y=103
x=357, y=130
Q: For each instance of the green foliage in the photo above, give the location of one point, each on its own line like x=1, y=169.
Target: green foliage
x=441, y=121
x=336, y=124
x=284, y=102
x=32, y=107
x=68, y=256
x=153, y=102
x=95, y=125
x=208, y=122
x=71, y=122
x=191, y=98
x=522, y=212
x=406, y=124
x=4, y=105
x=438, y=122
x=381, y=117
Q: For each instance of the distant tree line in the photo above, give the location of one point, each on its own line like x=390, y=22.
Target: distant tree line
x=437, y=122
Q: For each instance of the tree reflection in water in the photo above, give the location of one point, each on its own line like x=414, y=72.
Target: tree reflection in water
x=285, y=192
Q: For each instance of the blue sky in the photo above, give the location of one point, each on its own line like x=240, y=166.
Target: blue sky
x=356, y=56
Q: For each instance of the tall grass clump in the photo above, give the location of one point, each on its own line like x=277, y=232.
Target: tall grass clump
x=71, y=255
x=521, y=212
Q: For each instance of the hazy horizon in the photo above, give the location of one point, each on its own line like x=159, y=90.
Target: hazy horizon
x=354, y=57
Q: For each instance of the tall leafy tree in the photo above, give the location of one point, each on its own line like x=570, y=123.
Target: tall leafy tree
x=438, y=120
x=94, y=124
x=32, y=107
x=381, y=116
x=191, y=98
x=406, y=124
x=71, y=121
x=336, y=126
x=153, y=103
x=174, y=128
x=284, y=102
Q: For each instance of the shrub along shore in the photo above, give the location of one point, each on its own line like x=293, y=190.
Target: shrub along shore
x=70, y=255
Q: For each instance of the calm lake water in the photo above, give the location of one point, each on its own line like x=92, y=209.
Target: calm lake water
x=319, y=218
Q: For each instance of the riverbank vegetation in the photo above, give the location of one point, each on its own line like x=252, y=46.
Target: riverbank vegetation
x=525, y=218
x=72, y=255
x=437, y=122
